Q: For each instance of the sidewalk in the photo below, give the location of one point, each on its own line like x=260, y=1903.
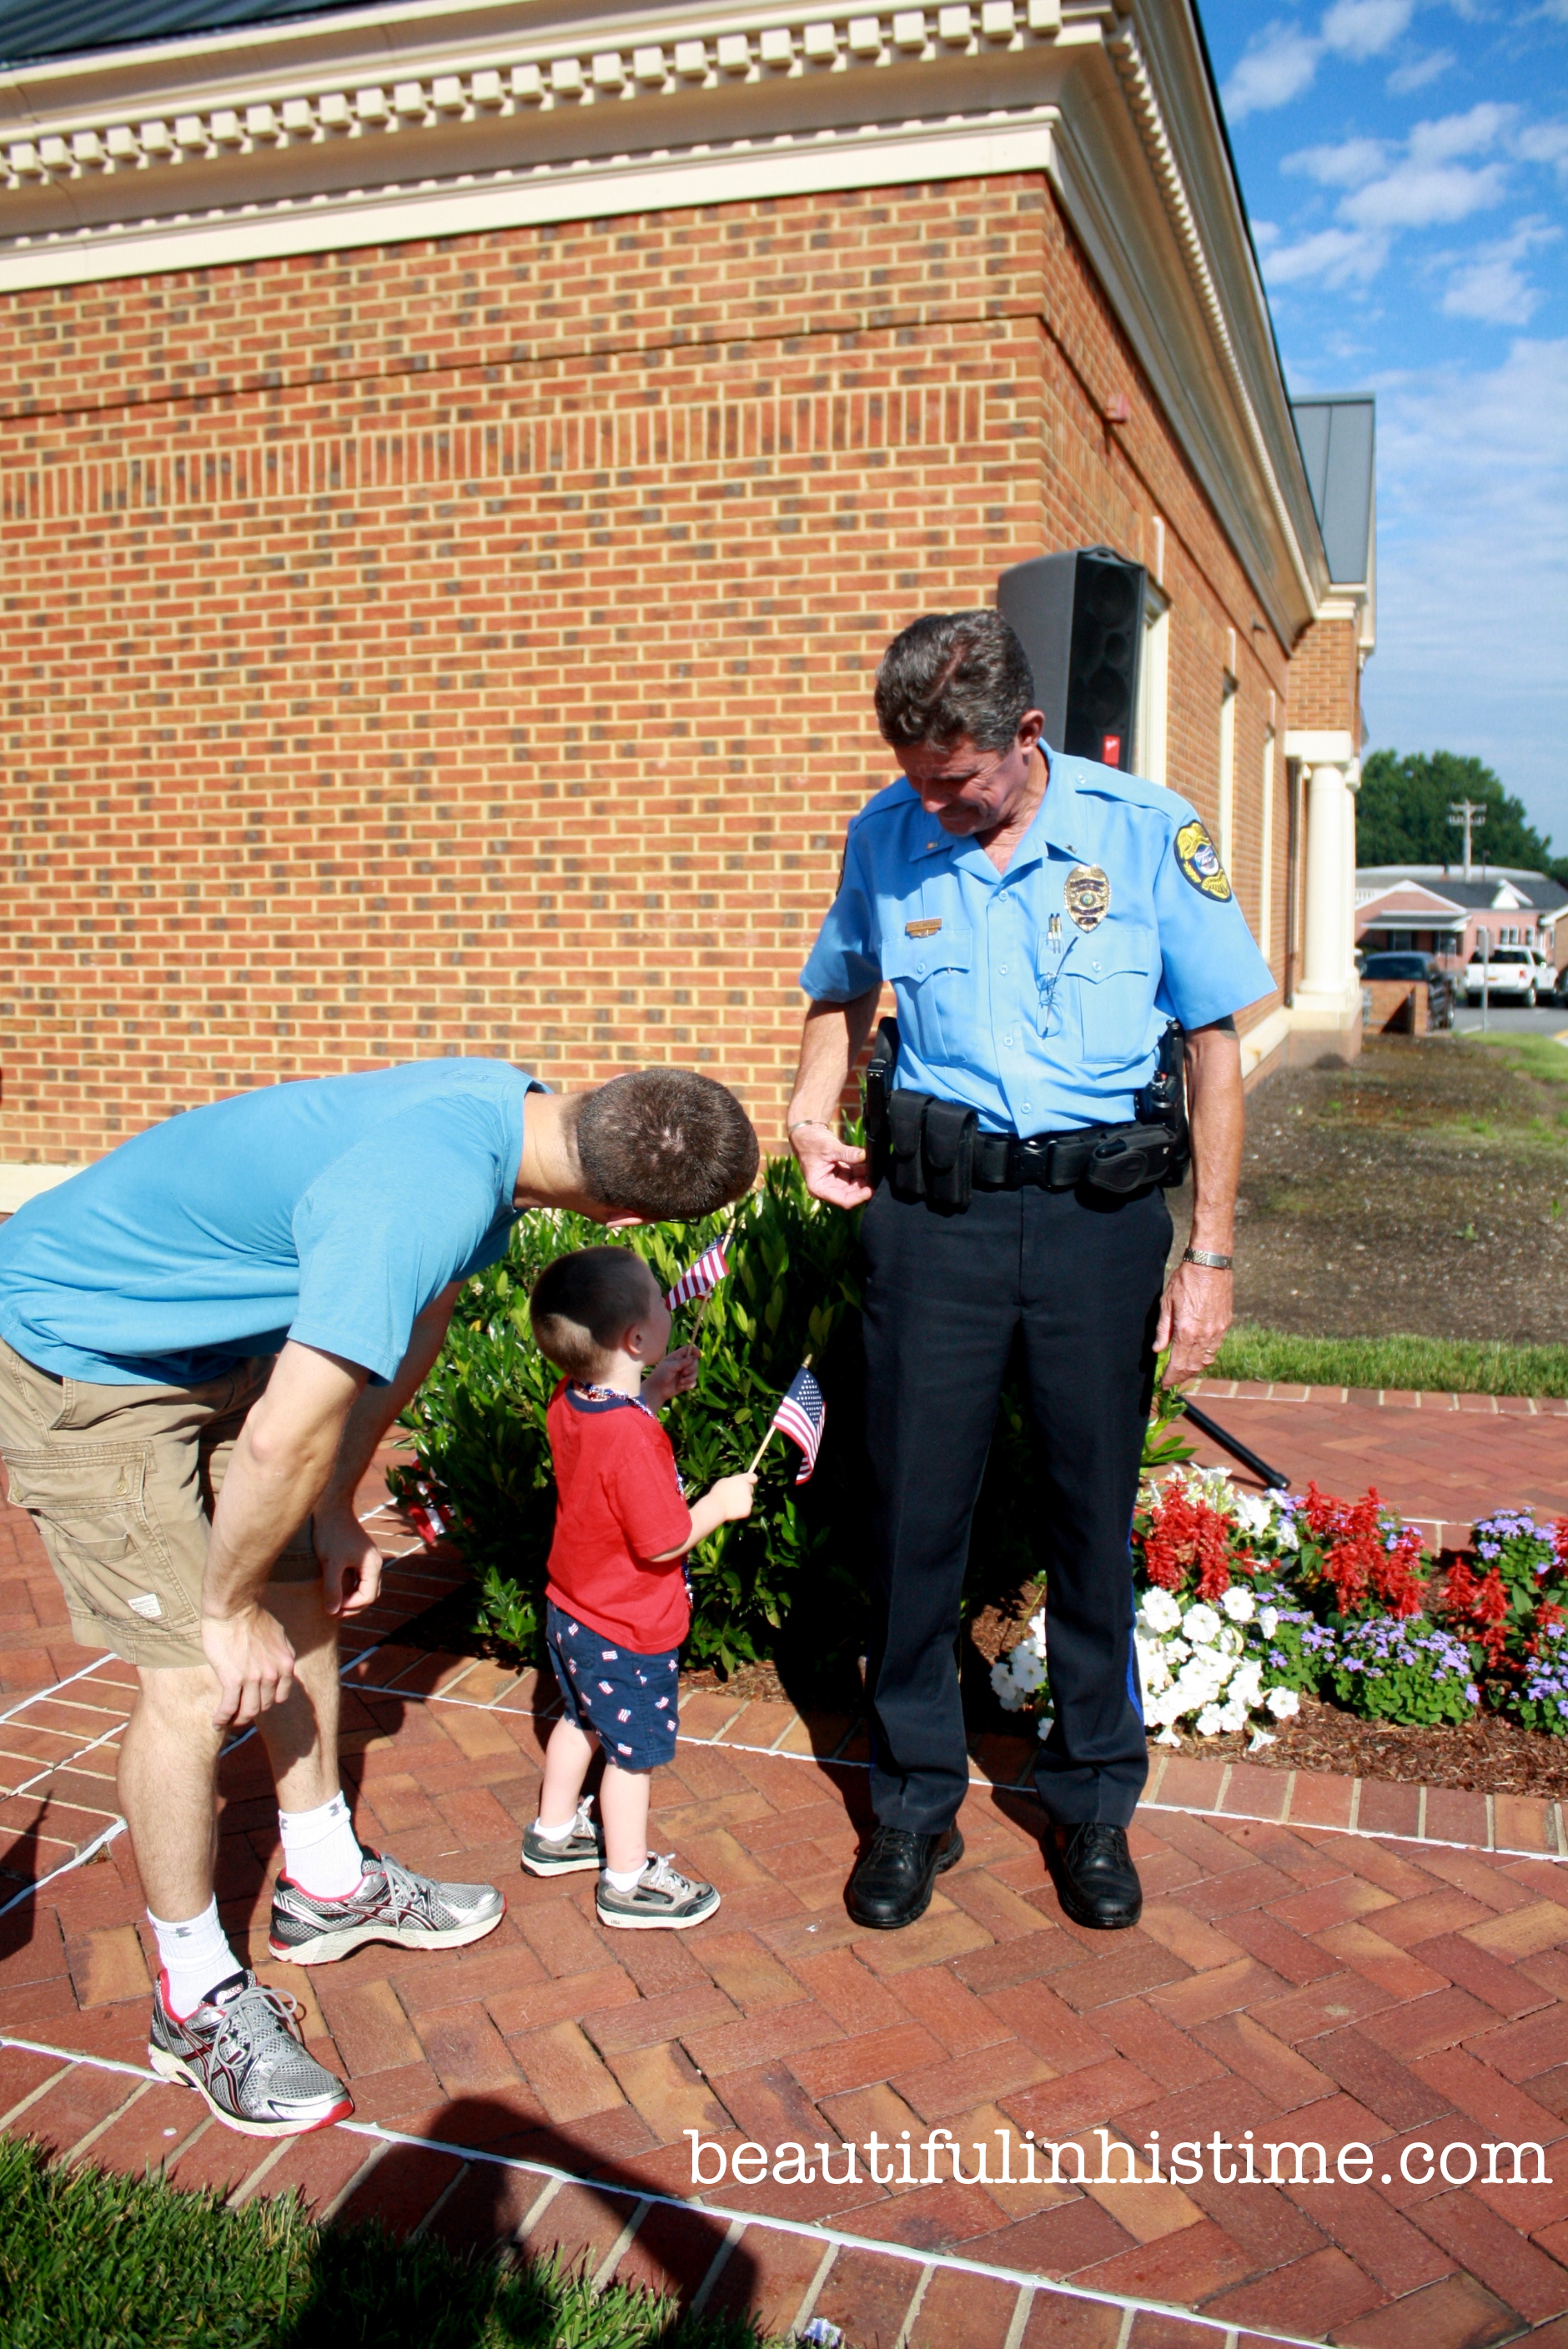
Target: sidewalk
x=1313, y=1974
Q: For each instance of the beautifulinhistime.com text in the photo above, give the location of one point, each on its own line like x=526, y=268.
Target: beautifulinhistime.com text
x=1009, y=2158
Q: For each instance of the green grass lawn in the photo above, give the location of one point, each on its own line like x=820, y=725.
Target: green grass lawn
x=89, y=2260
x=1443, y=1365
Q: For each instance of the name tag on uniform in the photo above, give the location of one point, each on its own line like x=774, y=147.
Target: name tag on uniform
x=926, y=929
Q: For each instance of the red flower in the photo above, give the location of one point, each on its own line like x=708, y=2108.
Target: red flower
x=1356, y=1560
x=1186, y=1534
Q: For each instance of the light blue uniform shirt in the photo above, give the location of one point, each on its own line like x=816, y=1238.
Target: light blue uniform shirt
x=332, y=1211
x=1039, y=1017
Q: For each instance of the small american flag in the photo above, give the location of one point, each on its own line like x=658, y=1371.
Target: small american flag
x=801, y=1416
x=427, y=1521
x=701, y=1278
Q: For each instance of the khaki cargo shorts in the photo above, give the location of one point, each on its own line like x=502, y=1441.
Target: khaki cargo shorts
x=121, y=1483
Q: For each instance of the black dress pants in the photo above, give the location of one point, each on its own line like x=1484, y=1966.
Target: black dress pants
x=1079, y=1274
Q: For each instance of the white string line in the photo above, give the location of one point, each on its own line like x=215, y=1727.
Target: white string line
x=100, y=1842
x=743, y=2218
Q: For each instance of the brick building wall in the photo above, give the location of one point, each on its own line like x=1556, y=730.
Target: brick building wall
x=467, y=648
x=1326, y=678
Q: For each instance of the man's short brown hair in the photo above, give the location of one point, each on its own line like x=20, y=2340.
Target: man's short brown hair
x=954, y=677
x=583, y=1304
x=664, y=1144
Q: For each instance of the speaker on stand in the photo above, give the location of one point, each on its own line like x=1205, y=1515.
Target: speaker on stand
x=1079, y=617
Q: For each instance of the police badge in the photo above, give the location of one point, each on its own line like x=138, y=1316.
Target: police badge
x=1087, y=896
x=1200, y=861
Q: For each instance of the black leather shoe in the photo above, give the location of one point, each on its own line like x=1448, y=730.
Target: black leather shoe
x=892, y=1883
x=1096, y=1881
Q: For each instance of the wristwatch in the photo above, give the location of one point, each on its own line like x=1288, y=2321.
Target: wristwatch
x=1207, y=1258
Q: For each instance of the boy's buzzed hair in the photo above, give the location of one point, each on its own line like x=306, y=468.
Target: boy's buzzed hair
x=583, y=1304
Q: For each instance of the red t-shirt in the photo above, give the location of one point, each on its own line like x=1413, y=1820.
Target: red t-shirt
x=619, y=1505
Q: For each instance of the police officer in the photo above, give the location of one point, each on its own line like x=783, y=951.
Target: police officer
x=1042, y=921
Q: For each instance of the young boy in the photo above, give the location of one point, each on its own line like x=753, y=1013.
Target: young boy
x=619, y=1605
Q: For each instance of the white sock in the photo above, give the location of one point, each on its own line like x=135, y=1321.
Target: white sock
x=554, y=1835
x=624, y=1879
x=195, y=1957
x=321, y=1851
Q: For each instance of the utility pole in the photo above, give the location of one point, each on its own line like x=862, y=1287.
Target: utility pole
x=1471, y=814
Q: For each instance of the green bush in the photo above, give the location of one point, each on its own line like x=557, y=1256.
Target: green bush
x=477, y=1428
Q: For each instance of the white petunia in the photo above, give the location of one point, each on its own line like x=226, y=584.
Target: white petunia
x=1239, y=1604
x=1252, y=1511
x=1153, y=1669
x=1028, y=1668
x=1268, y=1619
x=1230, y=1641
x=1246, y=1684
x=1283, y=1703
x=1232, y=1716
x=1201, y=1625
x=1285, y=1534
x=1208, y=1721
x=1037, y=1633
x=1047, y=1723
x=1158, y=1611
x=1009, y=1695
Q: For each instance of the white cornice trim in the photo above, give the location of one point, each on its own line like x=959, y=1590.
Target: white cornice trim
x=872, y=155
x=1320, y=747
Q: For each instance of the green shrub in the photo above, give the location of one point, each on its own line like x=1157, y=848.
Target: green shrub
x=477, y=1428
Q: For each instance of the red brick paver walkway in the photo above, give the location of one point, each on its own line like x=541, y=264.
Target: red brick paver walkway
x=1443, y=1460
x=1318, y=1963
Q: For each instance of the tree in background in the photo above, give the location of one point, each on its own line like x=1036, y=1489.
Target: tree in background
x=1402, y=815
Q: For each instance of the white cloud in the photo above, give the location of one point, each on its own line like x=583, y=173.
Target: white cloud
x=1349, y=163
x=1336, y=257
x=1279, y=63
x=1545, y=142
x=1423, y=195
x=1472, y=563
x=1419, y=73
x=1491, y=286
x=1365, y=28
x=1461, y=134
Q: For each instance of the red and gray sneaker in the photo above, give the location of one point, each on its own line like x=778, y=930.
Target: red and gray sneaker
x=242, y=2051
x=389, y=1904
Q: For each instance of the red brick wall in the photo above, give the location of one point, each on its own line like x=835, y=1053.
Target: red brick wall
x=1325, y=681
x=468, y=648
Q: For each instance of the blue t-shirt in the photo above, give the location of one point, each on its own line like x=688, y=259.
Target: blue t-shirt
x=1036, y=997
x=330, y=1211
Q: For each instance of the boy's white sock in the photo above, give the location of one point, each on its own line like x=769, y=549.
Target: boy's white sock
x=195, y=1957
x=555, y=1834
x=321, y=1851
x=624, y=1879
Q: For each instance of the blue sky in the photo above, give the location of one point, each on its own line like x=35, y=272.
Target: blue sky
x=1405, y=164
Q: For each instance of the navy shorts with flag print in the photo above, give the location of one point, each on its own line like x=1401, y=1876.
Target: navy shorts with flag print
x=631, y=1703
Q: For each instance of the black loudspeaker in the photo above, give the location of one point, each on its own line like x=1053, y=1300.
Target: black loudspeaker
x=1079, y=617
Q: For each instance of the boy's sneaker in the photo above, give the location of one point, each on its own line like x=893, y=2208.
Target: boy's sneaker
x=661, y=1896
x=242, y=2051
x=389, y=1904
x=566, y=1855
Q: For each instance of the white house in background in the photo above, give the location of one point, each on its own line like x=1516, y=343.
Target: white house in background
x=1428, y=909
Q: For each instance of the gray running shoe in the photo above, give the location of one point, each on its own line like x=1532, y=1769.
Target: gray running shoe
x=242, y=2051
x=391, y=1904
x=661, y=1896
x=566, y=1855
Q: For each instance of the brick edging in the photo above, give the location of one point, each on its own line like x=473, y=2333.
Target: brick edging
x=1382, y=1398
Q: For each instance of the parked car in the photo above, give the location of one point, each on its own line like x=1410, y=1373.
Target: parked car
x=1442, y=994
x=1512, y=976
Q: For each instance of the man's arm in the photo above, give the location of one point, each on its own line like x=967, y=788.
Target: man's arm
x=350, y=1560
x=831, y=1043
x=303, y=1449
x=1199, y=1301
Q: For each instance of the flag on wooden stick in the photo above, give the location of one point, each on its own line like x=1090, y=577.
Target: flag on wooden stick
x=427, y=1520
x=701, y=1278
x=801, y=1416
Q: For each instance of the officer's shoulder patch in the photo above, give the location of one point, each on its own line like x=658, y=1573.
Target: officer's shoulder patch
x=1200, y=860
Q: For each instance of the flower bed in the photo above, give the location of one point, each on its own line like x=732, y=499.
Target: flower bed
x=1245, y=1602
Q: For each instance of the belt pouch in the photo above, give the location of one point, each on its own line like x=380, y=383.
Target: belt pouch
x=906, y=1118
x=1128, y=1158
x=949, y=1154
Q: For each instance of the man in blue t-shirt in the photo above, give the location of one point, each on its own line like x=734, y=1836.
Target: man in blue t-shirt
x=203, y=1339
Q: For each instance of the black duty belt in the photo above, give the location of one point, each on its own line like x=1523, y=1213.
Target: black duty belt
x=933, y=1150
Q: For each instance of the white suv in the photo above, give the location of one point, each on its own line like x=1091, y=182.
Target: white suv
x=1513, y=974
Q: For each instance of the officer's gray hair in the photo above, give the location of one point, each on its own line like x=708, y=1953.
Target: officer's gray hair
x=954, y=677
